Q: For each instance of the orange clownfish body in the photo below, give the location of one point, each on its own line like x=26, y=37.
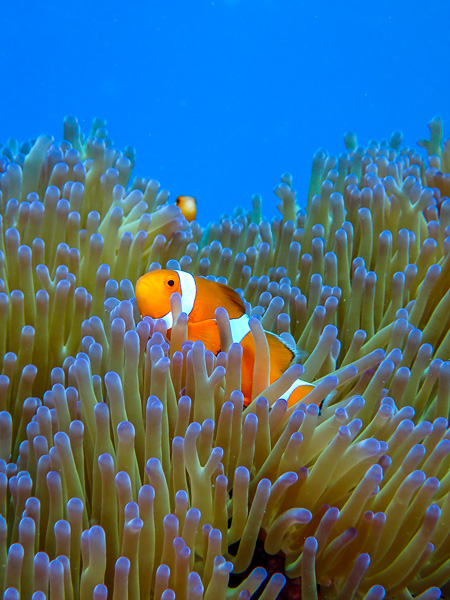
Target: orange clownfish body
x=188, y=207
x=199, y=300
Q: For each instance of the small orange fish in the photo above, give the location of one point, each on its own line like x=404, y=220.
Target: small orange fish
x=199, y=300
x=188, y=207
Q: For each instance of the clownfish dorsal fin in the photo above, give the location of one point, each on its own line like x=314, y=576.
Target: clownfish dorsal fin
x=206, y=332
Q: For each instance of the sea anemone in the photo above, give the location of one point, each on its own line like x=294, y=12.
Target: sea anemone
x=129, y=467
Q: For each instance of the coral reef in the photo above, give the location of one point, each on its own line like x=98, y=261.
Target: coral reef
x=129, y=467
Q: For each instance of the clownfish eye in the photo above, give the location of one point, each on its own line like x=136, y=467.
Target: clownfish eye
x=171, y=282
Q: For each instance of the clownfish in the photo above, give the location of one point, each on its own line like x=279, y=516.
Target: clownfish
x=199, y=300
x=188, y=207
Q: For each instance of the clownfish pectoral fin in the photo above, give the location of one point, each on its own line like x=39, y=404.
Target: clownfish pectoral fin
x=207, y=332
x=232, y=301
x=211, y=295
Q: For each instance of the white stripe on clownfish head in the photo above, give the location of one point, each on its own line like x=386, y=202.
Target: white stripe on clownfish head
x=188, y=292
x=168, y=320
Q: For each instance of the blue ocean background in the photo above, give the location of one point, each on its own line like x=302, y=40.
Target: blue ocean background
x=221, y=97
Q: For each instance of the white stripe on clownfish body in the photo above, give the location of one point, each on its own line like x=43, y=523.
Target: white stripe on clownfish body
x=188, y=294
x=239, y=328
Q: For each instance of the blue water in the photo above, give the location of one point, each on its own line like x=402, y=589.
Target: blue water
x=221, y=97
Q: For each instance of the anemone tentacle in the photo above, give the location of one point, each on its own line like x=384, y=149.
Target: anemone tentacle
x=128, y=465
